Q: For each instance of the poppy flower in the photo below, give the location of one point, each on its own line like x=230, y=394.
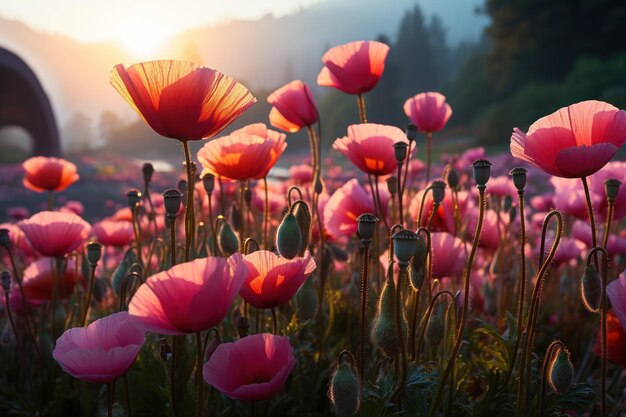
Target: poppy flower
x=114, y=233
x=252, y=368
x=40, y=276
x=101, y=352
x=428, y=111
x=54, y=233
x=345, y=205
x=176, y=301
x=278, y=139
x=616, y=291
x=615, y=341
x=49, y=174
x=180, y=100
x=612, y=170
x=575, y=141
x=293, y=107
x=448, y=257
x=238, y=156
x=370, y=147
x=354, y=67
x=273, y=280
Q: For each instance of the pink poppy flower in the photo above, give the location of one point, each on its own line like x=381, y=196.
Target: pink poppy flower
x=616, y=291
x=369, y=146
x=114, y=233
x=101, y=352
x=252, y=368
x=428, y=111
x=40, y=276
x=180, y=100
x=569, y=197
x=278, y=139
x=575, y=141
x=293, y=107
x=346, y=204
x=239, y=156
x=18, y=241
x=543, y=202
x=354, y=67
x=49, y=174
x=301, y=174
x=272, y=280
x=448, y=255
x=53, y=233
x=175, y=302
x=502, y=186
x=443, y=220
x=612, y=170
x=276, y=197
x=489, y=235
x=73, y=206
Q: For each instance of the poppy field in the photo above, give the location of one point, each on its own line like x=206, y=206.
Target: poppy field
x=400, y=281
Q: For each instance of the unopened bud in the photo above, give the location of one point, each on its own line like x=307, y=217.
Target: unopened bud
x=384, y=329
x=182, y=186
x=208, y=181
x=435, y=330
x=303, y=218
x=318, y=185
x=411, y=132
x=417, y=270
x=306, y=301
x=482, y=172
x=147, y=170
x=227, y=239
x=344, y=390
x=438, y=189
x=366, y=224
x=453, y=178
x=591, y=289
x=288, y=237
x=392, y=185
x=561, y=375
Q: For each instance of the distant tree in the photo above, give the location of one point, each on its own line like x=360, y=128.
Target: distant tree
x=384, y=103
x=78, y=133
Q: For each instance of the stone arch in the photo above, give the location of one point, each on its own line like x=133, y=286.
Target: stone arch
x=24, y=103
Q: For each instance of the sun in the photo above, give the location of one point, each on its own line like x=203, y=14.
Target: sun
x=142, y=40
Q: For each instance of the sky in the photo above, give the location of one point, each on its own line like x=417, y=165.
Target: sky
x=138, y=24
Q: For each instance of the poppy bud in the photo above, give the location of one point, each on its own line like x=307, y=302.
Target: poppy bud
x=303, y=218
x=100, y=287
x=208, y=181
x=235, y=218
x=384, y=330
x=561, y=375
x=172, y=199
x=435, y=330
x=404, y=244
x=214, y=342
x=182, y=186
x=482, y=172
x=147, y=170
x=134, y=198
x=400, y=151
x=165, y=350
x=94, y=252
x=366, y=224
x=122, y=270
x=611, y=187
x=417, y=271
x=5, y=238
x=318, y=186
x=288, y=237
x=344, y=390
x=591, y=289
x=452, y=178
x=227, y=239
x=306, y=301
x=411, y=132
x=392, y=185
x=519, y=177
x=512, y=215
x=6, y=281
x=439, y=191
x=243, y=326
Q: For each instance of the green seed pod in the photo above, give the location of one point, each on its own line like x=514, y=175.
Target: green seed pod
x=122, y=270
x=147, y=169
x=482, y=171
x=227, y=239
x=289, y=237
x=519, y=177
x=453, y=178
x=392, y=185
x=400, y=151
x=306, y=301
x=303, y=218
x=404, y=244
x=561, y=374
x=591, y=289
x=172, y=199
x=611, y=188
x=344, y=391
x=508, y=203
x=411, y=132
x=438, y=190
x=366, y=225
x=417, y=268
x=384, y=333
x=435, y=330
x=94, y=252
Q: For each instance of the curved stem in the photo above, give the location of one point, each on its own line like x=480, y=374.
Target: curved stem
x=523, y=391
x=402, y=184
x=242, y=217
x=422, y=202
x=522, y=287
x=553, y=350
x=468, y=272
x=137, y=232
x=212, y=227
x=361, y=103
x=429, y=311
x=189, y=207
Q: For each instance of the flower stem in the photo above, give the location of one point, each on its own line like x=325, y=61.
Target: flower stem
x=361, y=102
x=92, y=276
x=592, y=221
x=399, y=326
x=274, y=321
x=266, y=216
x=189, y=207
x=603, y=308
x=365, y=250
x=468, y=272
x=199, y=385
x=110, y=399
x=50, y=200
x=609, y=219
x=429, y=150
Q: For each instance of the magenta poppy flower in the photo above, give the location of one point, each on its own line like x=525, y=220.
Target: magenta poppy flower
x=575, y=141
x=252, y=368
x=354, y=67
x=428, y=111
x=448, y=255
x=293, y=107
x=273, y=280
x=612, y=170
x=189, y=297
x=101, y=352
x=346, y=204
x=369, y=146
x=40, y=276
x=53, y=233
x=616, y=291
x=569, y=197
x=49, y=174
x=180, y=100
x=114, y=233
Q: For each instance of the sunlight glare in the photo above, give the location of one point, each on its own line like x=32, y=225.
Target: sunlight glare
x=142, y=40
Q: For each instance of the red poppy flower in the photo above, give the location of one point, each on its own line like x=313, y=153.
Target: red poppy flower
x=49, y=174
x=293, y=107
